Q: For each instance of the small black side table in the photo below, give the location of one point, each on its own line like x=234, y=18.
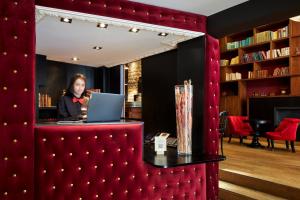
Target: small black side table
x=259, y=127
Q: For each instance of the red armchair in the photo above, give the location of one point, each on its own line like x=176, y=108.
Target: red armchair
x=286, y=130
x=238, y=126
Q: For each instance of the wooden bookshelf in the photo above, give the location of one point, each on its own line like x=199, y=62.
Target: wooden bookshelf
x=234, y=93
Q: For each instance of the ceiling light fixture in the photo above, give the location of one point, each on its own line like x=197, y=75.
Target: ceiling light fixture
x=163, y=34
x=134, y=30
x=97, y=47
x=75, y=58
x=102, y=25
x=66, y=20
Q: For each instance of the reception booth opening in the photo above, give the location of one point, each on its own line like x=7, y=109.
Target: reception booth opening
x=106, y=161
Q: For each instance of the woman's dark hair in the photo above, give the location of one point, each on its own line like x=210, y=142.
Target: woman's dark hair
x=70, y=90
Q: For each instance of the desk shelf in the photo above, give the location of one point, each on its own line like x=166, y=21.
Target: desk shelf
x=172, y=159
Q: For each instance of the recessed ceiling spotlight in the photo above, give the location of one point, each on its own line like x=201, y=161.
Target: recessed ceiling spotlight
x=163, y=34
x=97, y=47
x=134, y=30
x=66, y=20
x=75, y=58
x=102, y=25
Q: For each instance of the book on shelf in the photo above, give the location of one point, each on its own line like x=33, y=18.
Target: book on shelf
x=235, y=60
x=224, y=62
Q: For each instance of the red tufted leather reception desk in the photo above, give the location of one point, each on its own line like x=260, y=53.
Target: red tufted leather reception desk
x=17, y=59
x=105, y=162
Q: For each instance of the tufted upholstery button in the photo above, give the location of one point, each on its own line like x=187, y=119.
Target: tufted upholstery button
x=25, y=89
x=103, y=151
x=25, y=157
x=125, y=163
x=14, y=175
x=5, y=53
x=24, y=191
x=15, y=140
x=96, y=137
x=125, y=134
x=5, y=18
x=4, y=88
x=62, y=138
x=15, y=37
x=87, y=153
x=70, y=154
x=16, y=3
x=25, y=123
x=44, y=171
x=103, y=180
x=95, y=166
x=53, y=187
x=53, y=155
x=79, y=168
x=126, y=191
x=25, y=55
x=78, y=138
x=88, y=183
x=96, y=195
x=110, y=136
x=5, y=158
x=15, y=71
x=4, y=123
x=15, y=105
x=104, y=5
x=71, y=185
x=25, y=22
x=118, y=149
x=5, y=193
x=62, y=169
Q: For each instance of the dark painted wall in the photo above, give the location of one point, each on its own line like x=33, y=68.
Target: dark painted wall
x=251, y=14
x=190, y=59
x=160, y=73
x=52, y=77
x=158, y=81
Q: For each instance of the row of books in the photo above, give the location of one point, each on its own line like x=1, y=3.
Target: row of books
x=281, y=52
x=256, y=56
x=233, y=76
x=45, y=100
x=246, y=42
x=271, y=35
x=259, y=37
x=258, y=74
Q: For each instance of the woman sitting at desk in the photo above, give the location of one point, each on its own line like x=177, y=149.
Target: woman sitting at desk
x=74, y=100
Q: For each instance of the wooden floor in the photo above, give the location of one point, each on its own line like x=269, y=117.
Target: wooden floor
x=280, y=166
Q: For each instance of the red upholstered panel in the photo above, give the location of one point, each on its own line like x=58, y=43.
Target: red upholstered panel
x=211, y=112
x=17, y=44
x=105, y=162
x=132, y=11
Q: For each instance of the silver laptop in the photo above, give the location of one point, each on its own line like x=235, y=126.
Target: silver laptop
x=105, y=107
